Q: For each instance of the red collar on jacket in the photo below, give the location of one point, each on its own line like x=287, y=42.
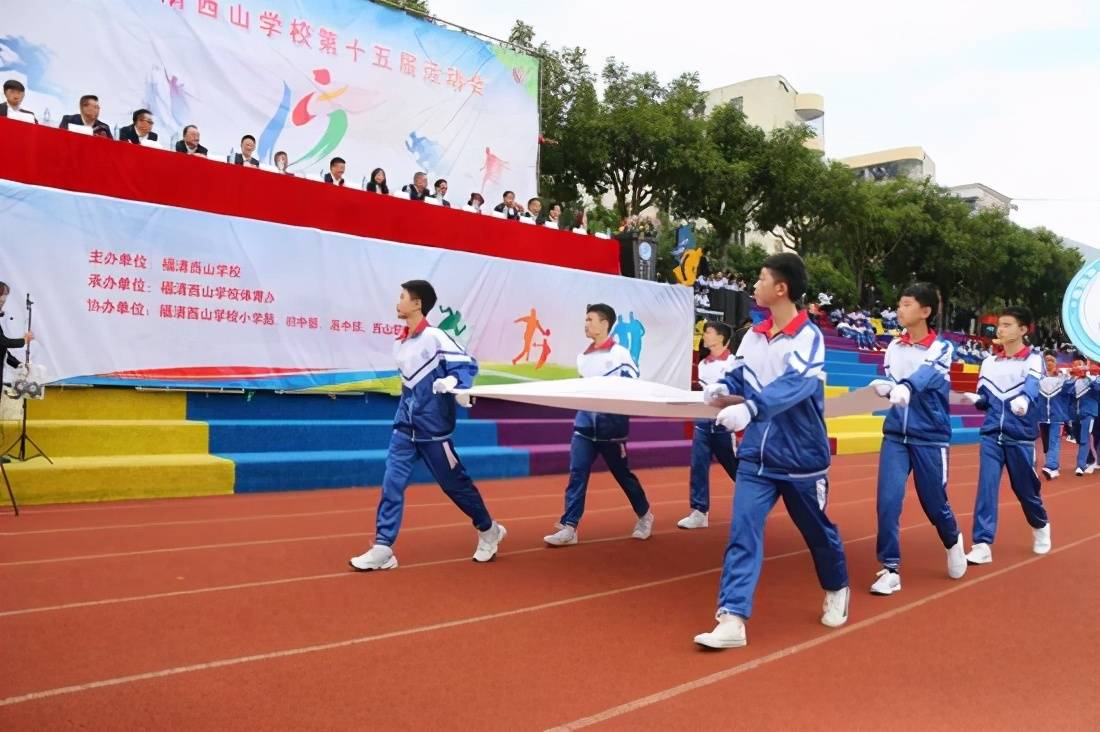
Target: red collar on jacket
x=905, y=340
x=791, y=328
x=720, y=357
x=605, y=346
x=1021, y=355
x=405, y=335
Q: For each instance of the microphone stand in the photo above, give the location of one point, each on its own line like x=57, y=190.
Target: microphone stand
x=23, y=438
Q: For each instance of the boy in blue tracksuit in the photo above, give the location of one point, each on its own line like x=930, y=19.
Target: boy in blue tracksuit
x=916, y=435
x=1087, y=394
x=1055, y=410
x=776, y=393
x=709, y=440
x=1008, y=393
x=597, y=434
x=431, y=365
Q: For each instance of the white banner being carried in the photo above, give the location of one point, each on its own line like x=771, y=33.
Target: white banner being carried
x=314, y=78
x=133, y=293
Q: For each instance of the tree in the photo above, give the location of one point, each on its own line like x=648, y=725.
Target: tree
x=722, y=179
x=419, y=7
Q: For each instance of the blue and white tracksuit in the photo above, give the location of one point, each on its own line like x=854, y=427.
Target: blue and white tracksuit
x=422, y=429
x=1008, y=441
x=916, y=439
x=710, y=440
x=1087, y=393
x=784, y=452
x=1055, y=410
x=596, y=433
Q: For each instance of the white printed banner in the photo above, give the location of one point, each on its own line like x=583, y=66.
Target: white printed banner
x=314, y=78
x=133, y=293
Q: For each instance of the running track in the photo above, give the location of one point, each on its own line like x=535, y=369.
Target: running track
x=237, y=612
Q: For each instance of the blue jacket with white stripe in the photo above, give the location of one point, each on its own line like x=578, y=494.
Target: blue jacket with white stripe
x=1055, y=399
x=1001, y=379
x=925, y=367
x=782, y=379
x=423, y=356
x=606, y=359
x=1087, y=393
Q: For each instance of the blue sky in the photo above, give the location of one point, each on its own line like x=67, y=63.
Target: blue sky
x=1003, y=93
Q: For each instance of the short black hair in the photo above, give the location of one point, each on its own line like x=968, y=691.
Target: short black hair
x=788, y=268
x=281, y=152
x=604, y=310
x=507, y=193
x=926, y=294
x=1021, y=314
x=189, y=127
x=334, y=161
x=139, y=112
x=441, y=180
x=13, y=85
x=555, y=204
x=248, y=137
x=721, y=329
x=532, y=200
x=88, y=98
x=423, y=291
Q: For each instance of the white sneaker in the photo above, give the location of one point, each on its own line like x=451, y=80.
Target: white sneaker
x=1041, y=544
x=488, y=541
x=834, y=611
x=729, y=633
x=887, y=583
x=1078, y=472
x=694, y=520
x=1090, y=468
x=980, y=554
x=1050, y=474
x=956, y=560
x=565, y=536
x=378, y=556
x=644, y=527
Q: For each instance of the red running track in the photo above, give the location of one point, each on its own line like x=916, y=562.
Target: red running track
x=237, y=612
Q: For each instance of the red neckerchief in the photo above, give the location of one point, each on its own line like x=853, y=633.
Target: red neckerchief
x=791, y=328
x=405, y=335
x=605, y=346
x=1022, y=354
x=720, y=357
x=905, y=340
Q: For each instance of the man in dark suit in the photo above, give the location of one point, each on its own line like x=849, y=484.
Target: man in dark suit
x=335, y=174
x=418, y=191
x=87, y=117
x=245, y=157
x=13, y=100
x=441, y=192
x=141, y=129
x=190, y=142
x=509, y=207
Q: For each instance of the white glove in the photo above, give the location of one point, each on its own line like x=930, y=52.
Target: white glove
x=882, y=387
x=971, y=398
x=1019, y=406
x=464, y=400
x=445, y=385
x=713, y=391
x=734, y=418
x=900, y=395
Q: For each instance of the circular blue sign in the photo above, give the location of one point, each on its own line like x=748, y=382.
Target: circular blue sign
x=645, y=251
x=1081, y=310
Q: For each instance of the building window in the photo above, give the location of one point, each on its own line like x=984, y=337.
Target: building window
x=738, y=103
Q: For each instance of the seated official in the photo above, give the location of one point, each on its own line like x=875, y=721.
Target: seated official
x=441, y=192
x=335, y=174
x=418, y=191
x=190, y=142
x=282, y=162
x=87, y=117
x=140, y=130
x=245, y=156
x=377, y=182
x=509, y=206
x=553, y=214
x=534, y=210
x=476, y=201
x=14, y=91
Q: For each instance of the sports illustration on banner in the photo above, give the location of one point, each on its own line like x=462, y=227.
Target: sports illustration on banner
x=138, y=294
x=313, y=78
